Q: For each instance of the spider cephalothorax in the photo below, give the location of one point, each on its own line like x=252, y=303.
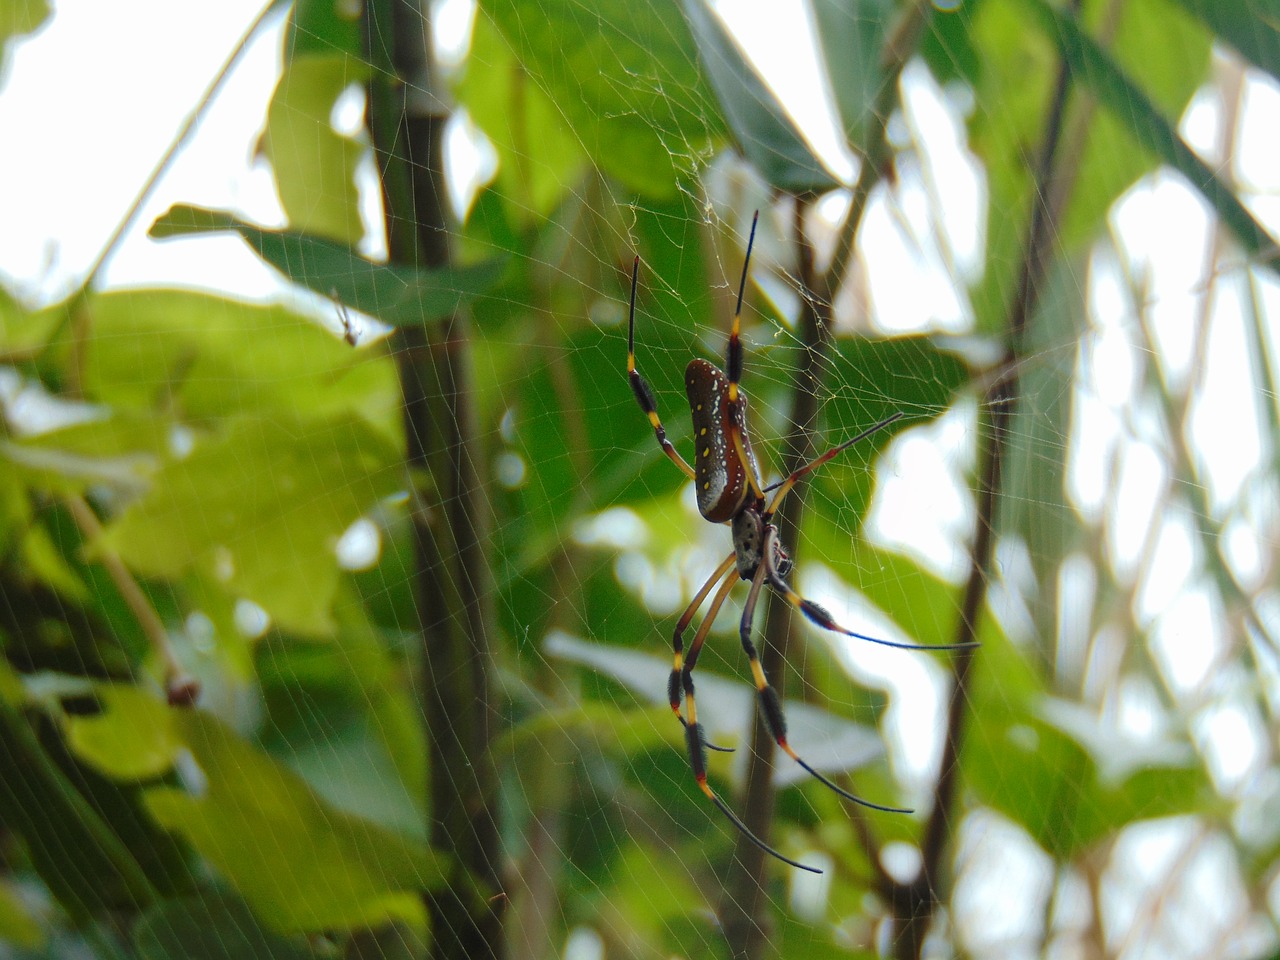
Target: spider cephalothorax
x=727, y=483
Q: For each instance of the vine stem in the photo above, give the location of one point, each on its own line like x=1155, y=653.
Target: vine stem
x=407, y=114
x=742, y=910
x=180, y=687
x=915, y=902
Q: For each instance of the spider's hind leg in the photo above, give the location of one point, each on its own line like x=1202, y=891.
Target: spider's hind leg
x=770, y=702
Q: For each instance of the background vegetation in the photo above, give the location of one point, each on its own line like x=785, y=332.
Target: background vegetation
x=319, y=643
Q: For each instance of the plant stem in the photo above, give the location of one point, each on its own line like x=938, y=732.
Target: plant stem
x=916, y=901
x=743, y=912
x=407, y=117
x=180, y=688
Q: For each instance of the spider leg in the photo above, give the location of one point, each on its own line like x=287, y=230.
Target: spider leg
x=698, y=758
x=640, y=386
x=733, y=370
x=822, y=617
x=770, y=702
x=784, y=486
x=727, y=574
x=682, y=679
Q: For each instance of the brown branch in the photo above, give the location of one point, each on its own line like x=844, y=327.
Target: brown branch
x=181, y=689
x=743, y=912
x=915, y=902
x=452, y=582
x=742, y=909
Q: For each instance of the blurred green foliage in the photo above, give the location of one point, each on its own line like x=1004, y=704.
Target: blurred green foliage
x=227, y=447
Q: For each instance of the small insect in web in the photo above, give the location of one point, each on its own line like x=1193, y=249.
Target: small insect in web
x=729, y=490
x=348, y=328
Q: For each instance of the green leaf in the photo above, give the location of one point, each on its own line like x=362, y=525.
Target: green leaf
x=17, y=925
x=880, y=376
x=765, y=132
x=1251, y=26
x=341, y=714
x=323, y=27
x=1014, y=84
x=532, y=183
x=851, y=35
x=1033, y=505
x=625, y=77
x=212, y=358
x=213, y=926
x=118, y=451
x=259, y=510
x=314, y=165
x=397, y=295
x=11, y=691
x=301, y=864
x=130, y=739
x=1021, y=759
x=19, y=18
x=1094, y=69
x=75, y=840
x=726, y=709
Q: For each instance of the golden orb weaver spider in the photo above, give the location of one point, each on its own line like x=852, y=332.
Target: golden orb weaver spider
x=727, y=483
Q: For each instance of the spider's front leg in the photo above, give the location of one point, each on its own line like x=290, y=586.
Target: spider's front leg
x=640, y=386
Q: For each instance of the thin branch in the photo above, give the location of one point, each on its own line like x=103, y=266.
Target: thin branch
x=742, y=907
x=76, y=309
x=917, y=901
x=180, y=687
x=452, y=581
x=743, y=912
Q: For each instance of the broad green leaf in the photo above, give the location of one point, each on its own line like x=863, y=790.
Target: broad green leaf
x=259, y=510
x=1169, y=54
x=11, y=690
x=314, y=165
x=130, y=739
x=1096, y=71
x=918, y=376
x=397, y=295
x=1251, y=26
x=797, y=940
x=1033, y=505
x=17, y=925
x=341, y=713
x=212, y=358
x=301, y=864
x=212, y=926
x=726, y=709
x=78, y=836
x=118, y=450
x=531, y=182
x=851, y=36
x=631, y=729
x=1043, y=778
x=625, y=77
x=23, y=334
x=763, y=129
x=323, y=28
x=19, y=18
x=1105, y=156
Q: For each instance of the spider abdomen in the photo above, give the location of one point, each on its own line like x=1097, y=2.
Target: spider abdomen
x=719, y=475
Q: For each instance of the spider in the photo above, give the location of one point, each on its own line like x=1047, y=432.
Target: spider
x=727, y=482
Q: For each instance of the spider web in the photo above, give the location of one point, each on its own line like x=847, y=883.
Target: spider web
x=1120, y=703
